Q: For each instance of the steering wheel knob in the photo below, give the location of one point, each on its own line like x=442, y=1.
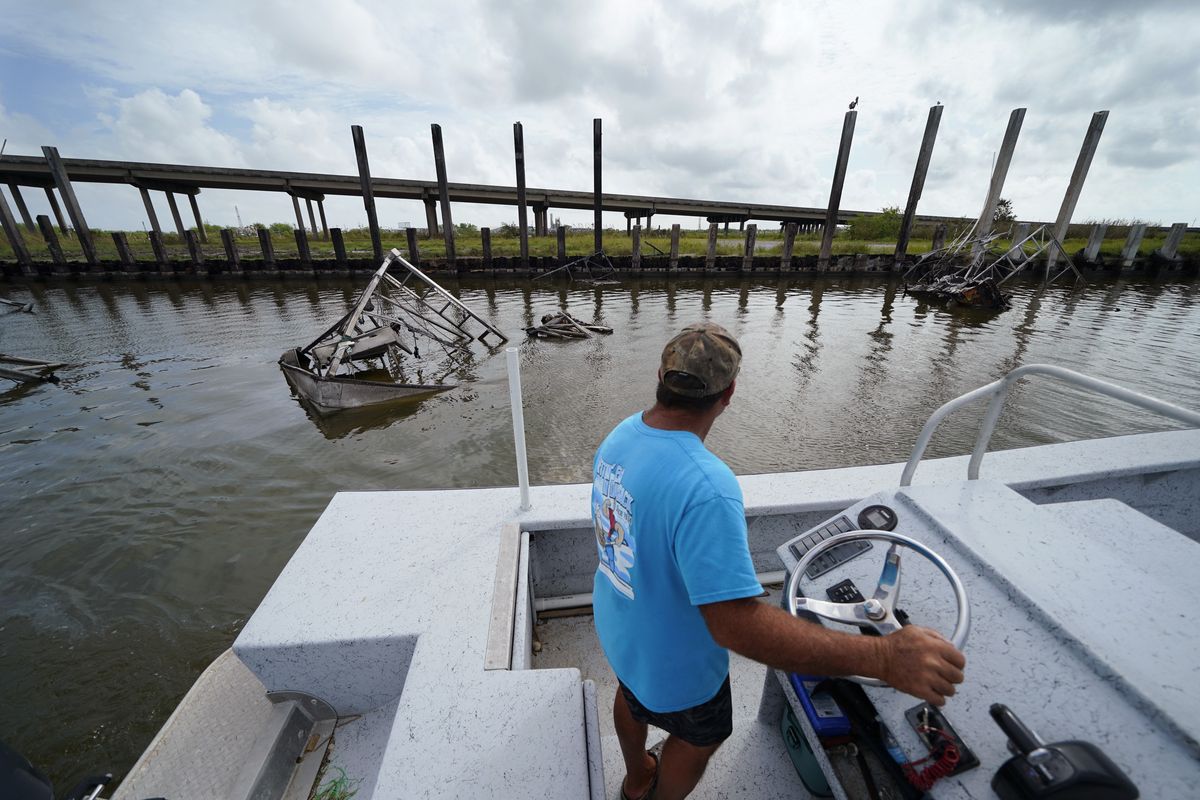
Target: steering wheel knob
x=875, y=610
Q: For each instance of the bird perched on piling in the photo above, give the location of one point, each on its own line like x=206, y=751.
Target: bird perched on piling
x=854, y=102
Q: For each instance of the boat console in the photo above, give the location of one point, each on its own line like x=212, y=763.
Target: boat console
x=1060, y=620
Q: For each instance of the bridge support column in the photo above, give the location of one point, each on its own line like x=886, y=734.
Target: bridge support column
x=312, y=217
x=299, y=216
x=154, y=226
x=22, y=209
x=431, y=220
x=324, y=224
x=57, y=211
x=199, y=224
x=175, y=215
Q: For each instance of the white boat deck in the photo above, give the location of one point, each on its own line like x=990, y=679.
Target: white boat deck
x=752, y=763
x=383, y=612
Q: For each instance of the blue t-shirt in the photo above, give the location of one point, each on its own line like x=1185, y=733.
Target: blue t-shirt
x=671, y=535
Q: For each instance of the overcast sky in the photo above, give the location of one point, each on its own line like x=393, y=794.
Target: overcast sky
x=713, y=100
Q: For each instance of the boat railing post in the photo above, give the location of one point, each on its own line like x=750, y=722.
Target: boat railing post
x=518, y=415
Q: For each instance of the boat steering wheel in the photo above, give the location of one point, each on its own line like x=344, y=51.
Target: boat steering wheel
x=879, y=611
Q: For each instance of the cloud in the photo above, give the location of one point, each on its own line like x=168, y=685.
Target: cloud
x=732, y=101
x=155, y=126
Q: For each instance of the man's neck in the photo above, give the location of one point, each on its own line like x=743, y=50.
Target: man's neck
x=677, y=419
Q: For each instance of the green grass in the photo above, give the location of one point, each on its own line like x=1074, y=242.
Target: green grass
x=469, y=244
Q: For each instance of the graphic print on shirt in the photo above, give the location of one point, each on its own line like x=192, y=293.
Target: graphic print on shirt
x=612, y=519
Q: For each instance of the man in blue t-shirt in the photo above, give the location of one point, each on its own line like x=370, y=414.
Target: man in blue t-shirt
x=675, y=585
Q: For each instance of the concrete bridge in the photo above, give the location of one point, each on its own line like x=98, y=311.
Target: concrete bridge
x=185, y=179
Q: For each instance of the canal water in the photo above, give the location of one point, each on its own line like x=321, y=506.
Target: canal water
x=149, y=499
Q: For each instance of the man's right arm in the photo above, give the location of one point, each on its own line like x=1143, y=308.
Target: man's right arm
x=914, y=660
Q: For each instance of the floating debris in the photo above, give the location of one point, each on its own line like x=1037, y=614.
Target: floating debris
x=594, y=270
x=564, y=326
x=390, y=318
x=26, y=307
x=942, y=274
x=28, y=370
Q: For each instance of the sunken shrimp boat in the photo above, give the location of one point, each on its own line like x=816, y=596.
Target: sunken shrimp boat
x=359, y=360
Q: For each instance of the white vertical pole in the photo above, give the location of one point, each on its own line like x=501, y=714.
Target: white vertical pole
x=518, y=415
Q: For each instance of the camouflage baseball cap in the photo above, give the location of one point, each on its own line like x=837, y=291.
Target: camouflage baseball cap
x=701, y=360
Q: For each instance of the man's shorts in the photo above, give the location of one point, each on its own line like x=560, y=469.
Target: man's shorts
x=704, y=725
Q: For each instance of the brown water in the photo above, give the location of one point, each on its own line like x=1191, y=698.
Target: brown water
x=151, y=498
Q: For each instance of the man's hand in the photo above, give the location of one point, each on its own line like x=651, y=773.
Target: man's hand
x=918, y=661
x=914, y=660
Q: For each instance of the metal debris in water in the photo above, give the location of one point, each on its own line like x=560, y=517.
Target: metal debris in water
x=562, y=325
x=594, y=270
x=943, y=274
x=391, y=317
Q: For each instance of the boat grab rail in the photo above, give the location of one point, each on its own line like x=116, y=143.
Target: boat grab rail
x=998, y=392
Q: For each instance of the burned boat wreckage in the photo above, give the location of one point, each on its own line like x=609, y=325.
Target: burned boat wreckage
x=970, y=273
x=357, y=361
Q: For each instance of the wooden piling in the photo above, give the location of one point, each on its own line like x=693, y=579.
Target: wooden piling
x=15, y=240
x=312, y=217
x=522, y=209
x=54, y=162
x=339, y=248
x=154, y=226
x=364, y=176
x=124, y=254
x=597, y=193
x=562, y=245
x=673, y=264
x=1091, y=253
x=22, y=209
x=485, y=236
x=939, y=236
x=635, y=263
x=56, y=209
x=918, y=181
x=175, y=215
x=1174, y=238
x=439, y=163
x=47, y=229
x=710, y=259
x=160, y=251
x=987, y=217
x=196, y=214
x=748, y=251
x=789, y=244
x=1132, y=243
x=1091, y=140
x=835, y=192
x=324, y=224
x=268, y=249
x=194, y=252
x=232, y=257
x=302, y=247
x=414, y=255
x=299, y=215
